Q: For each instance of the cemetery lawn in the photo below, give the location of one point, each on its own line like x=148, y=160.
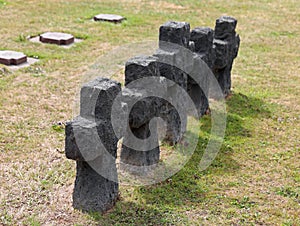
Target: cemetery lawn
x=255, y=179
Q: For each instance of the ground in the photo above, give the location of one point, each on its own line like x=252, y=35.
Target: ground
x=255, y=179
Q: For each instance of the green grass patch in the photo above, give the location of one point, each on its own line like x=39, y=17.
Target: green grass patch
x=2, y=3
x=289, y=192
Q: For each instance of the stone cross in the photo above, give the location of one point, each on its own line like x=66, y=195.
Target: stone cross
x=225, y=45
x=138, y=68
x=198, y=40
x=91, y=141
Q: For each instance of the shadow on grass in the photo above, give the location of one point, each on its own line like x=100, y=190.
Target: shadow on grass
x=186, y=187
x=245, y=106
x=242, y=111
x=131, y=213
x=164, y=203
x=240, y=108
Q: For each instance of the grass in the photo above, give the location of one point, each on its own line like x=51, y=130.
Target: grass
x=253, y=181
x=2, y=3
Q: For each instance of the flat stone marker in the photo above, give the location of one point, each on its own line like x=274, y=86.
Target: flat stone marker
x=109, y=18
x=57, y=38
x=12, y=58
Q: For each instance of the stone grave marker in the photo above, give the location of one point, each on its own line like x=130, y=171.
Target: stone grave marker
x=8, y=58
x=109, y=18
x=137, y=68
x=225, y=46
x=91, y=141
x=57, y=38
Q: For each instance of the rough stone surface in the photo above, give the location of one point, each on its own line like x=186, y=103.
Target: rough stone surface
x=96, y=98
x=12, y=58
x=173, y=124
x=147, y=108
x=93, y=192
x=140, y=67
x=109, y=18
x=81, y=132
x=225, y=27
x=169, y=63
x=236, y=46
x=57, y=38
x=174, y=32
x=198, y=91
x=91, y=141
x=137, y=68
x=221, y=52
x=167, y=67
x=225, y=45
x=144, y=107
x=199, y=98
x=145, y=156
x=203, y=39
x=84, y=138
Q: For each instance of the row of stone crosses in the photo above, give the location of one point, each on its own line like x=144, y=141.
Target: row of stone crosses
x=95, y=191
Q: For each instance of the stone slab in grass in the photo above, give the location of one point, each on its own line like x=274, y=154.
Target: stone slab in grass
x=57, y=38
x=109, y=18
x=8, y=57
x=15, y=60
x=62, y=39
